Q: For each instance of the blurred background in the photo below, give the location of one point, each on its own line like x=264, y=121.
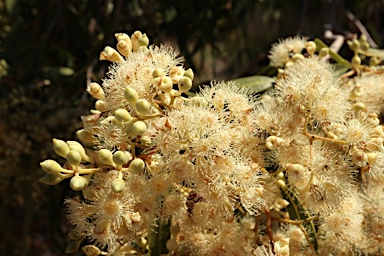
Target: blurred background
x=49, y=52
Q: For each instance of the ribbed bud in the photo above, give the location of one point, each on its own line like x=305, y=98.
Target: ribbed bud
x=274, y=142
x=51, y=166
x=118, y=185
x=143, y=106
x=139, y=128
x=123, y=115
x=310, y=47
x=60, y=147
x=164, y=83
x=74, y=157
x=134, y=39
x=184, y=84
x=111, y=55
x=131, y=95
x=143, y=41
x=124, y=48
x=78, y=182
x=120, y=158
x=96, y=91
x=189, y=73
x=137, y=165
x=101, y=106
x=106, y=157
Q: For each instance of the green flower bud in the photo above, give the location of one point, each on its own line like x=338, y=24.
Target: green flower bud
x=365, y=46
x=131, y=95
x=85, y=136
x=91, y=250
x=137, y=165
x=78, y=182
x=139, y=128
x=323, y=52
x=356, y=61
x=189, y=73
x=374, y=61
x=101, y=106
x=143, y=106
x=74, y=145
x=145, y=140
x=185, y=83
x=96, y=91
x=106, y=157
x=111, y=55
x=120, y=158
x=60, y=147
x=74, y=236
x=122, y=37
x=52, y=179
x=157, y=73
x=298, y=56
x=118, y=185
x=74, y=157
x=51, y=166
x=73, y=246
x=123, y=115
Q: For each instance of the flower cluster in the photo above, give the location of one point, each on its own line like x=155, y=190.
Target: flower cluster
x=225, y=172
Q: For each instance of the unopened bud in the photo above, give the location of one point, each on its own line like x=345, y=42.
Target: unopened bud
x=137, y=165
x=60, y=147
x=184, y=84
x=139, y=128
x=189, y=73
x=74, y=145
x=91, y=250
x=356, y=61
x=111, y=55
x=106, y=157
x=101, y=106
x=131, y=95
x=124, y=48
x=164, y=83
x=310, y=47
x=157, y=73
x=374, y=61
x=122, y=115
x=323, y=52
x=143, y=41
x=74, y=157
x=274, y=142
x=171, y=244
x=120, y=158
x=85, y=136
x=118, y=185
x=134, y=39
x=51, y=166
x=298, y=57
x=52, y=178
x=143, y=106
x=96, y=91
x=78, y=182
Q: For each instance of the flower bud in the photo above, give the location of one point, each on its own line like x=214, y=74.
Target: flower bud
x=298, y=57
x=124, y=48
x=91, y=250
x=78, y=182
x=356, y=61
x=85, y=136
x=157, y=73
x=134, y=38
x=137, y=165
x=118, y=185
x=372, y=156
x=164, y=83
x=111, y=55
x=73, y=235
x=143, y=106
x=74, y=145
x=74, y=157
x=374, y=61
x=106, y=157
x=145, y=140
x=189, y=73
x=323, y=52
x=120, y=158
x=131, y=95
x=171, y=244
x=373, y=119
x=123, y=115
x=101, y=106
x=60, y=147
x=51, y=166
x=122, y=37
x=359, y=158
x=310, y=47
x=96, y=91
x=73, y=246
x=52, y=179
x=143, y=41
x=184, y=84
x=139, y=128
x=274, y=142
x=359, y=106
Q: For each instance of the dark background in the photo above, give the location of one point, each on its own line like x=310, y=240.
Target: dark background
x=49, y=52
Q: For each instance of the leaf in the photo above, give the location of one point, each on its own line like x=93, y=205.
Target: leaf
x=255, y=84
x=334, y=55
x=158, y=237
x=339, y=69
x=371, y=52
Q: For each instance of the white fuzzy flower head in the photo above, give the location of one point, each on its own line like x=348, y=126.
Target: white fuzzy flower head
x=282, y=51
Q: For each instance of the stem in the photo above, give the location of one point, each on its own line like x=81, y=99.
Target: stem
x=312, y=137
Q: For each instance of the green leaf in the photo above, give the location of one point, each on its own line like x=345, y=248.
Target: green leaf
x=158, y=237
x=334, y=55
x=339, y=69
x=255, y=84
x=371, y=52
